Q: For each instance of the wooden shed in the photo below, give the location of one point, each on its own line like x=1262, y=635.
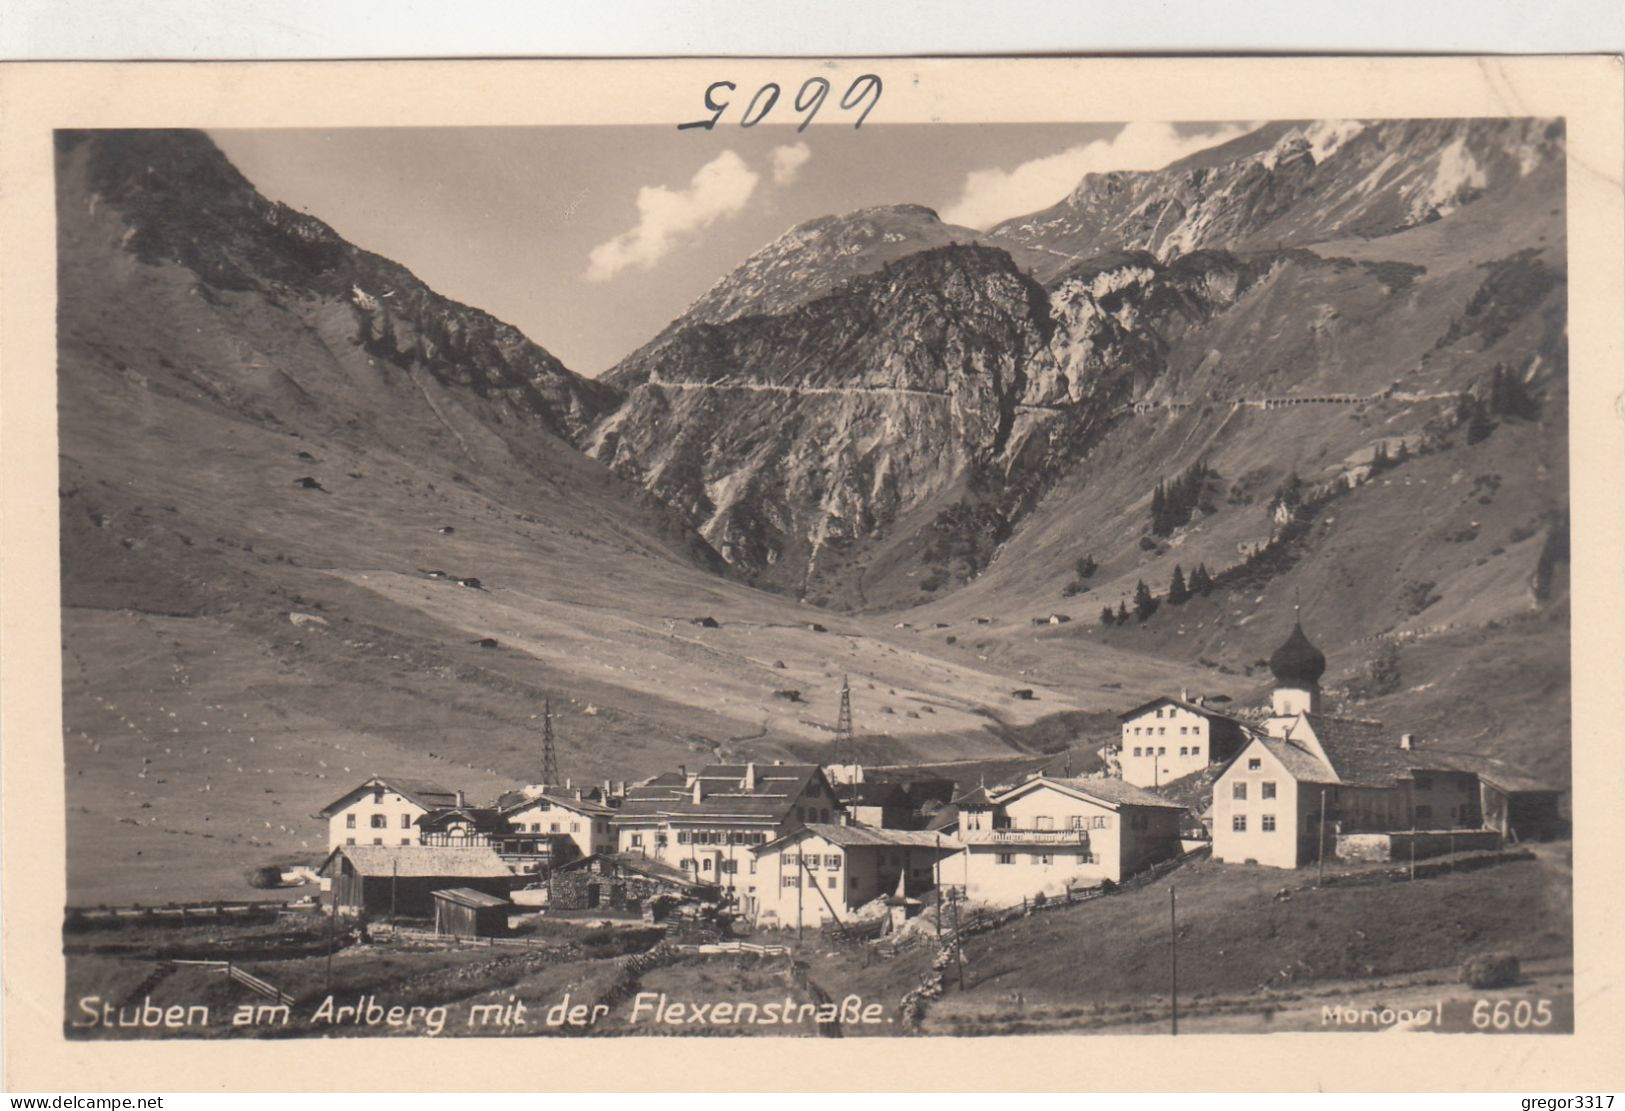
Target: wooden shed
x=400, y=880
x=464, y=912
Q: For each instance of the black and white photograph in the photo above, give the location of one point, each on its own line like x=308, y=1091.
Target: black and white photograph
x=785, y=572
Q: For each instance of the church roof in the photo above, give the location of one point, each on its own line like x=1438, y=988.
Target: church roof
x=1298, y=663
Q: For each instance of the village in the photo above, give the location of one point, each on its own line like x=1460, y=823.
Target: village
x=862, y=852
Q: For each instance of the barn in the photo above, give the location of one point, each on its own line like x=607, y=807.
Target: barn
x=400, y=880
x=465, y=912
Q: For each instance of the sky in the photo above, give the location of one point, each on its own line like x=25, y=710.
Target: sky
x=591, y=239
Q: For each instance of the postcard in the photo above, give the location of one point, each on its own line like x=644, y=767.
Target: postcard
x=1114, y=558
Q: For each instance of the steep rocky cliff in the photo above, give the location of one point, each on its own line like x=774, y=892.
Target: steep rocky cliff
x=864, y=430
x=1291, y=184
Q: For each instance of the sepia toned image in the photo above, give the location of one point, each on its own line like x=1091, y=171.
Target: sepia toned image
x=789, y=571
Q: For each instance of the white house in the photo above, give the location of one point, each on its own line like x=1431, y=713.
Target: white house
x=1048, y=834
x=821, y=873
x=570, y=814
x=1169, y=738
x=383, y=811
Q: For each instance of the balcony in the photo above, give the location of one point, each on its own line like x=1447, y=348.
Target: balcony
x=1070, y=837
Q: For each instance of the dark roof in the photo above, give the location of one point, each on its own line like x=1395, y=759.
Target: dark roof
x=1362, y=753
x=874, y=793
x=1301, y=764
x=484, y=819
x=865, y=836
x=723, y=794
x=946, y=818
x=1193, y=707
x=1113, y=791
x=468, y=897
x=420, y=791
x=437, y=861
x=554, y=798
x=974, y=799
x=1491, y=771
x=657, y=786
x=1298, y=663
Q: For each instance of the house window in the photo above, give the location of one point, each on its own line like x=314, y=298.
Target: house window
x=637, y=840
x=1183, y=730
x=706, y=867
x=1255, y=764
x=1162, y=730
x=1136, y=750
x=1075, y=822
x=1004, y=858
x=753, y=864
x=1196, y=750
x=575, y=827
x=832, y=862
x=553, y=827
x=536, y=827
x=1043, y=821
x=813, y=860
x=792, y=881
x=1159, y=713
x=1267, y=789
x=1238, y=790
x=1044, y=858
x=823, y=815
x=834, y=882
x=406, y=840
x=661, y=840
x=853, y=882
x=349, y=840
x=1238, y=823
x=1087, y=858
x=1268, y=823
x=349, y=822
x=377, y=840
x=684, y=837
x=380, y=821
x=1183, y=750
x=1162, y=750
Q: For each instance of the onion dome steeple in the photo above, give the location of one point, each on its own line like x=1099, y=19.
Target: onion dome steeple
x=1298, y=663
x=1297, y=666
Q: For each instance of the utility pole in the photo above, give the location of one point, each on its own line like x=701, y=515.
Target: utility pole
x=959, y=946
x=332, y=924
x=550, y=757
x=801, y=886
x=1322, y=876
x=394, y=874
x=1173, y=962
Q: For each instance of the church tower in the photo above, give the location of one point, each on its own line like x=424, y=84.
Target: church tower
x=1297, y=666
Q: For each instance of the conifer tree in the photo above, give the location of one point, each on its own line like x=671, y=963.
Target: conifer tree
x=1178, y=592
x=1122, y=613
x=1107, y=617
x=1144, y=603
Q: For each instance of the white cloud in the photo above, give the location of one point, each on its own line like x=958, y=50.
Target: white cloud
x=720, y=188
x=992, y=195
x=788, y=160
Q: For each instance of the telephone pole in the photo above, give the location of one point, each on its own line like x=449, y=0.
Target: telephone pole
x=1173, y=963
x=1321, y=879
x=550, y=756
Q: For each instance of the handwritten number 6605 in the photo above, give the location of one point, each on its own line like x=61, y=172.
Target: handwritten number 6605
x=864, y=92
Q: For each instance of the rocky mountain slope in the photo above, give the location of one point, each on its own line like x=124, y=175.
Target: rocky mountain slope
x=318, y=522
x=1340, y=337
